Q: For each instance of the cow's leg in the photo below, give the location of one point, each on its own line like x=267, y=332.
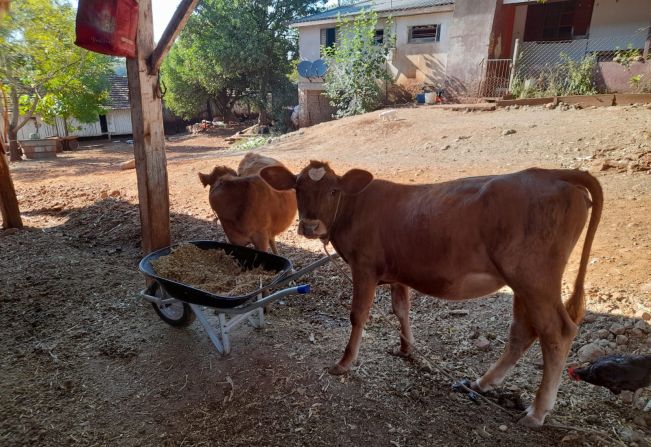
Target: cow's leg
x=521, y=336
x=272, y=244
x=401, y=304
x=260, y=242
x=363, y=294
x=556, y=331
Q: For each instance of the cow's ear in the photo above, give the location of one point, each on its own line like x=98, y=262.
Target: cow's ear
x=278, y=177
x=354, y=181
x=205, y=179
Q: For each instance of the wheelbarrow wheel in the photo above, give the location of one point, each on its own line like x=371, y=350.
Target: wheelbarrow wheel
x=178, y=313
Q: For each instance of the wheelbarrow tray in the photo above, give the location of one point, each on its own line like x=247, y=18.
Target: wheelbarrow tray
x=248, y=258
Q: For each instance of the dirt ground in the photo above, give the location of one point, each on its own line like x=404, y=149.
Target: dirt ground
x=84, y=361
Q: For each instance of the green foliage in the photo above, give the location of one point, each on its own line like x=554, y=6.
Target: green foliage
x=569, y=77
x=232, y=50
x=626, y=57
x=43, y=70
x=249, y=144
x=357, y=65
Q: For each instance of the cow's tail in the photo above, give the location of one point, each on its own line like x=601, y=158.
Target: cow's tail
x=575, y=306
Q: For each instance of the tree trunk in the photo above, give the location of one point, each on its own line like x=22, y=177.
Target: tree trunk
x=65, y=126
x=8, y=201
x=263, y=117
x=15, y=150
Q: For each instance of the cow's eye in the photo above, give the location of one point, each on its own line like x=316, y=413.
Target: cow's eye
x=333, y=192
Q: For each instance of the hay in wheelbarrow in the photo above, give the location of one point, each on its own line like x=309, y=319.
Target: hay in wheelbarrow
x=210, y=270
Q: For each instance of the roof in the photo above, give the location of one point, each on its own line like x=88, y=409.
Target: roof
x=119, y=92
x=372, y=5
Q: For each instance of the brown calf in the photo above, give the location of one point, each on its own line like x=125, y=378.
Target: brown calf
x=457, y=240
x=249, y=210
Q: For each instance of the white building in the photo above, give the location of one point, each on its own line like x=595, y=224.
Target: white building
x=117, y=120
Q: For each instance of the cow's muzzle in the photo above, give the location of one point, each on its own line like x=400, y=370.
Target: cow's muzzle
x=312, y=228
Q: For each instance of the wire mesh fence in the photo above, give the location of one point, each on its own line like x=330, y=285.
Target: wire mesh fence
x=583, y=66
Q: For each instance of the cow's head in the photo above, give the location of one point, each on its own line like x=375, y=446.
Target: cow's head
x=319, y=192
x=217, y=173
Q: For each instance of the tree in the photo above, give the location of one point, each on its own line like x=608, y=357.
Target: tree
x=39, y=62
x=357, y=63
x=233, y=50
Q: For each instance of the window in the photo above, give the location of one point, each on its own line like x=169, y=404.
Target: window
x=328, y=37
x=554, y=21
x=424, y=33
x=379, y=36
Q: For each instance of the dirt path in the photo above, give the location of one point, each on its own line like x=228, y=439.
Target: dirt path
x=86, y=362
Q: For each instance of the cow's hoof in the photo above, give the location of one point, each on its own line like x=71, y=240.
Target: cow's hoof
x=337, y=370
x=530, y=421
x=400, y=353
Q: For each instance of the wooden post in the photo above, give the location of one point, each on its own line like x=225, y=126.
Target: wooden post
x=8, y=201
x=148, y=138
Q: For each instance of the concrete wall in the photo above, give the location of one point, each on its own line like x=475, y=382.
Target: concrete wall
x=420, y=62
x=410, y=62
x=314, y=107
x=470, y=40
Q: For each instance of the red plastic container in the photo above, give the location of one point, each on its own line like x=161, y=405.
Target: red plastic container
x=108, y=26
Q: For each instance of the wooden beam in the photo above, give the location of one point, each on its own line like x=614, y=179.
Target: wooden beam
x=177, y=22
x=8, y=200
x=148, y=138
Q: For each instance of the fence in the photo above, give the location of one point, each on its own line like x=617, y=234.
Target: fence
x=612, y=63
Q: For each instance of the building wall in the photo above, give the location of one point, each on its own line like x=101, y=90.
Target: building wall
x=470, y=40
x=410, y=62
x=614, y=23
x=119, y=123
x=314, y=107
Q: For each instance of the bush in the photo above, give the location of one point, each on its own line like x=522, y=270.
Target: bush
x=569, y=77
x=357, y=65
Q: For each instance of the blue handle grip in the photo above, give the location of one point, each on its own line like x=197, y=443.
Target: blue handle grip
x=305, y=288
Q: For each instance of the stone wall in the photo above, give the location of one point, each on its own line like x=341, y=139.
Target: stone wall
x=314, y=107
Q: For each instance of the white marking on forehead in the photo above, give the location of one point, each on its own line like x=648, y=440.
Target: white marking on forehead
x=316, y=174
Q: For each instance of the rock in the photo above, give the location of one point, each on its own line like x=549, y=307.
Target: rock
x=115, y=193
x=643, y=315
x=590, y=318
x=590, y=352
x=129, y=164
x=8, y=232
x=446, y=147
x=103, y=195
x=647, y=407
x=646, y=287
x=617, y=329
x=458, y=312
x=603, y=342
x=630, y=435
x=640, y=420
x=503, y=427
x=482, y=343
x=621, y=339
x=602, y=333
x=637, y=332
x=506, y=132
x=642, y=325
x=550, y=105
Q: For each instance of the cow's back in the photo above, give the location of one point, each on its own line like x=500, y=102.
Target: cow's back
x=253, y=163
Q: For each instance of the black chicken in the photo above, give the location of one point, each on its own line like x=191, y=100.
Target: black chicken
x=616, y=372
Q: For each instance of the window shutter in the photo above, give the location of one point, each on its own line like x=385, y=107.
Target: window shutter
x=323, y=37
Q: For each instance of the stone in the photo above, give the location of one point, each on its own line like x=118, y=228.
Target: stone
x=602, y=333
x=503, y=427
x=506, y=132
x=482, y=343
x=621, y=339
x=115, y=193
x=642, y=325
x=446, y=147
x=643, y=315
x=630, y=435
x=617, y=329
x=103, y=195
x=590, y=318
x=590, y=352
x=459, y=312
x=129, y=164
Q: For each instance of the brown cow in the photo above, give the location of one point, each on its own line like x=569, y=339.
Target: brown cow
x=456, y=240
x=249, y=210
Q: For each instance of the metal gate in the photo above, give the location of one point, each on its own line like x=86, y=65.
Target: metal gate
x=495, y=78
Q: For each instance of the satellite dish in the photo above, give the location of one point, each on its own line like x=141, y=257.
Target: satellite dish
x=304, y=68
x=319, y=68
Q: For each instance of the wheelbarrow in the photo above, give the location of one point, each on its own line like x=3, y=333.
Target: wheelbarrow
x=178, y=304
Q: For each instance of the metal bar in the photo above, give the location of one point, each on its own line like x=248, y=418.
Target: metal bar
x=155, y=299
x=307, y=269
x=206, y=325
x=224, y=328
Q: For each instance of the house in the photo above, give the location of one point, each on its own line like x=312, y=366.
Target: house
x=467, y=46
x=116, y=121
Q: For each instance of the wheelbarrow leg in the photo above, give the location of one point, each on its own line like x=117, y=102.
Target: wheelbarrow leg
x=221, y=348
